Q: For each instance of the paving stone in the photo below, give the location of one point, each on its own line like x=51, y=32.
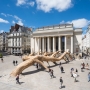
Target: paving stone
x=40, y=79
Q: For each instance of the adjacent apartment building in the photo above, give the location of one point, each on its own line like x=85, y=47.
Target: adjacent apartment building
x=3, y=41
x=19, y=39
x=86, y=41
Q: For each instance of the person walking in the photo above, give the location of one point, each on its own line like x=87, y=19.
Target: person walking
x=17, y=79
x=60, y=63
x=61, y=82
x=13, y=62
x=37, y=66
x=2, y=60
x=83, y=65
x=52, y=73
x=61, y=69
x=16, y=62
x=75, y=76
x=88, y=76
x=72, y=69
x=77, y=72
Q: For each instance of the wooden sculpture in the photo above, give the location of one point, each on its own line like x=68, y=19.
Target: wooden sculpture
x=36, y=59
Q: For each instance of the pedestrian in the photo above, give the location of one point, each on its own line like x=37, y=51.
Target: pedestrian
x=52, y=73
x=37, y=66
x=75, y=76
x=60, y=63
x=72, y=69
x=61, y=69
x=16, y=62
x=13, y=62
x=77, y=72
x=88, y=76
x=83, y=64
x=2, y=59
x=17, y=79
x=82, y=67
x=61, y=82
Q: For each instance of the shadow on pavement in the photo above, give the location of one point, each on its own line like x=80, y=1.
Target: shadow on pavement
x=22, y=82
x=32, y=72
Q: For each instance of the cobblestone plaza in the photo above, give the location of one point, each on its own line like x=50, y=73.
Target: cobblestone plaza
x=34, y=79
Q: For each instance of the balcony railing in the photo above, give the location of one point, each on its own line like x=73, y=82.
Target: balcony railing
x=55, y=27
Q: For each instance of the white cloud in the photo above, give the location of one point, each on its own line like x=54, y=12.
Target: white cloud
x=62, y=22
x=31, y=3
x=25, y=2
x=17, y=18
x=48, y=5
x=4, y=14
x=1, y=31
x=80, y=23
x=20, y=22
x=10, y=15
x=13, y=22
x=21, y=2
x=3, y=21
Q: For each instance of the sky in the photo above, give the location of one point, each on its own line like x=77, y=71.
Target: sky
x=39, y=13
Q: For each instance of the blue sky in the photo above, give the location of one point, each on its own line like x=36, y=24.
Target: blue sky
x=38, y=13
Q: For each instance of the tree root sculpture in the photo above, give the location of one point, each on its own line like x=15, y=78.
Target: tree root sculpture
x=18, y=70
x=36, y=59
x=25, y=57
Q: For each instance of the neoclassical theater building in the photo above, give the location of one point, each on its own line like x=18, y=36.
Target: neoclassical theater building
x=57, y=37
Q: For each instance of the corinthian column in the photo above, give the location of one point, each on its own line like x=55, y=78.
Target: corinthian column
x=38, y=44
x=43, y=44
x=65, y=43
x=59, y=43
x=54, y=49
x=71, y=44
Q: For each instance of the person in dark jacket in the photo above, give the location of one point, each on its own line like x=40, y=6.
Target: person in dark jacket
x=16, y=62
x=17, y=79
x=61, y=69
x=61, y=82
x=13, y=62
x=2, y=59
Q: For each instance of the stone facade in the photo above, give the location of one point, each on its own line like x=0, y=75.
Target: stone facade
x=57, y=37
x=19, y=39
x=3, y=41
x=86, y=41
